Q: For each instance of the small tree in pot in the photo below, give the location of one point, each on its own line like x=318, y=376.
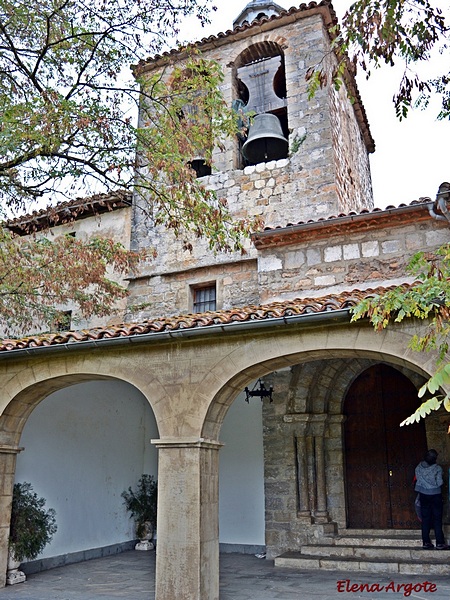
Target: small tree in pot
x=32, y=528
x=142, y=504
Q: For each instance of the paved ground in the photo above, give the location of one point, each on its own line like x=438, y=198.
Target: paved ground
x=130, y=576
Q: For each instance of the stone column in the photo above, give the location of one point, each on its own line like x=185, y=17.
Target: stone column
x=187, y=557
x=304, y=509
x=321, y=512
x=8, y=456
x=318, y=423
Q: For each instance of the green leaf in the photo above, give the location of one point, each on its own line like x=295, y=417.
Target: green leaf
x=423, y=410
x=446, y=402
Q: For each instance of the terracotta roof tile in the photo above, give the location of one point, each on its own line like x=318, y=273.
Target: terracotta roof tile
x=274, y=310
x=66, y=212
x=416, y=211
x=422, y=202
x=211, y=39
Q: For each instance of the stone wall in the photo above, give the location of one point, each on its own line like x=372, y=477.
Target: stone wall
x=304, y=459
x=353, y=179
x=171, y=293
x=360, y=258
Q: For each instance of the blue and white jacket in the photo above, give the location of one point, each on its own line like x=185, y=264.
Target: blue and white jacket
x=429, y=478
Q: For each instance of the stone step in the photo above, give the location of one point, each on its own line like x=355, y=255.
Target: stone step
x=386, y=533
x=367, y=540
x=401, y=554
x=438, y=565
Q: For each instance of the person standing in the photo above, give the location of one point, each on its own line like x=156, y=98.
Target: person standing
x=429, y=482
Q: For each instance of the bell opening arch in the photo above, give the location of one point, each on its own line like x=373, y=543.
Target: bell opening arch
x=259, y=82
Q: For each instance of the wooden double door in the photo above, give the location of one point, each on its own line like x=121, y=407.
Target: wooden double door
x=380, y=455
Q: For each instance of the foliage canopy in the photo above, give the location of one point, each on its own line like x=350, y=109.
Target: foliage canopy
x=428, y=298
x=68, y=106
x=40, y=276
x=68, y=101
x=403, y=32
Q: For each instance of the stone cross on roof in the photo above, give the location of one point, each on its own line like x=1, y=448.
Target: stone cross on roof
x=255, y=10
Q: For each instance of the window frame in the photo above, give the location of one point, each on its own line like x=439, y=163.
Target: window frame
x=205, y=304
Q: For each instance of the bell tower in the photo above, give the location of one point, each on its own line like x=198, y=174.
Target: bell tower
x=300, y=160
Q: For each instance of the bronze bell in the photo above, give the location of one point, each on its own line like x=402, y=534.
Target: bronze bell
x=265, y=140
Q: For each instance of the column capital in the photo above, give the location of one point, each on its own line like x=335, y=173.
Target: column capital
x=187, y=442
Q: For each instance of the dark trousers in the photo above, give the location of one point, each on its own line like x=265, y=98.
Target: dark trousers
x=431, y=508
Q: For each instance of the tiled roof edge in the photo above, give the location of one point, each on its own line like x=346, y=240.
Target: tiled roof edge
x=418, y=209
x=206, y=322
x=66, y=212
x=215, y=40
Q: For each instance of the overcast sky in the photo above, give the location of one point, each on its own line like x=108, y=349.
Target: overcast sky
x=411, y=158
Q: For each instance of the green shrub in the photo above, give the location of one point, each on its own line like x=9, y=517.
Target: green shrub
x=142, y=503
x=32, y=526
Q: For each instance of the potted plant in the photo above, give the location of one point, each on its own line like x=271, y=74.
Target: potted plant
x=142, y=504
x=32, y=528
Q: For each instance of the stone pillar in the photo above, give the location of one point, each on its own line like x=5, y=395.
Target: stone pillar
x=318, y=423
x=187, y=557
x=8, y=456
x=304, y=510
x=311, y=468
x=321, y=512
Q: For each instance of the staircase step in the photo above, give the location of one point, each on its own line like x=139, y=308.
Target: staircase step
x=438, y=564
x=386, y=533
x=400, y=554
x=370, y=540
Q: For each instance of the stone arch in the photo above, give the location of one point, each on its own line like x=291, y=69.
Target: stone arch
x=20, y=404
x=150, y=369
x=259, y=86
x=360, y=346
x=19, y=408
x=263, y=48
x=304, y=446
x=83, y=446
x=332, y=379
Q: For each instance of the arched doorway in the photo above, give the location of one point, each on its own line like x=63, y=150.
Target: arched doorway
x=380, y=456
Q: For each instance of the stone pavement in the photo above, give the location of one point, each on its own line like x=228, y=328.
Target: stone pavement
x=130, y=576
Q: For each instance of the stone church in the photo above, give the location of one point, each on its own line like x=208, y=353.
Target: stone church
x=313, y=469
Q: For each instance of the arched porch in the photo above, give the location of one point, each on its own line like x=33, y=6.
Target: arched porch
x=190, y=382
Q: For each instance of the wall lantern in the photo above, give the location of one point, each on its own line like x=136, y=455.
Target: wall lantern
x=261, y=392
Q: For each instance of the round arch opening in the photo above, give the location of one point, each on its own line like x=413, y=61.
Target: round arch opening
x=84, y=445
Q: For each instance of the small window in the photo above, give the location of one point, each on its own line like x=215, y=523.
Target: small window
x=200, y=167
x=64, y=321
x=204, y=298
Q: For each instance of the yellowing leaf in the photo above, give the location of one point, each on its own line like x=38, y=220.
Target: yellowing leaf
x=423, y=410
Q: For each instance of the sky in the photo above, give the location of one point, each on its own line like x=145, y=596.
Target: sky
x=412, y=157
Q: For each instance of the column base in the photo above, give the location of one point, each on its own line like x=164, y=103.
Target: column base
x=304, y=516
x=321, y=517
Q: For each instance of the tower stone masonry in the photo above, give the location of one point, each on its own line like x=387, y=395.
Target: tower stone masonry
x=325, y=171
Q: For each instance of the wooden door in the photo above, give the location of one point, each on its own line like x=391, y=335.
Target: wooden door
x=380, y=455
